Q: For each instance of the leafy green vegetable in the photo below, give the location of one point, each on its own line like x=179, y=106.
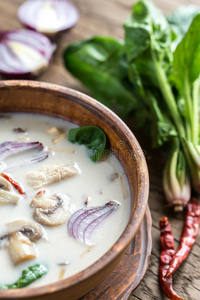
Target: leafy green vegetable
x=101, y=66
x=186, y=63
x=92, y=137
x=28, y=276
x=161, y=68
x=147, y=33
x=150, y=60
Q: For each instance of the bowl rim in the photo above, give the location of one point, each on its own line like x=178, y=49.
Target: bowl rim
x=134, y=222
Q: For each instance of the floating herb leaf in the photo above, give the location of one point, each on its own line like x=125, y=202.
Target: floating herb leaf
x=90, y=136
x=28, y=276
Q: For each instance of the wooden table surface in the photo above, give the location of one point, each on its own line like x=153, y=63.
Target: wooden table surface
x=105, y=17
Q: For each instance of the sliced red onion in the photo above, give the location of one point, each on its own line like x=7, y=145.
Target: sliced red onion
x=48, y=16
x=9, y=148
x=24, y=53
x=29, y=161
x=84, y=221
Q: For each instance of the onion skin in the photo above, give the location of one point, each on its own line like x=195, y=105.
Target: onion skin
x=24, y=53
x=9, y=148
x=84, y=221
x=63, y=13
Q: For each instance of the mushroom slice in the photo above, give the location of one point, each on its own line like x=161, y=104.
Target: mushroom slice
x=50, y=174
x=21, y=248
x=58, y=214
x=29, y=228
x=4, y=184
x=7, y=197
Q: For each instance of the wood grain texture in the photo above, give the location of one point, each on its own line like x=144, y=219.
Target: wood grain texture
x=103, y=17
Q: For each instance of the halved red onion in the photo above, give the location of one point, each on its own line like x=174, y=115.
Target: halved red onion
x=9, y=148
x=84, y=221
x=24, y=53
x=48, y=16
x=28, y=161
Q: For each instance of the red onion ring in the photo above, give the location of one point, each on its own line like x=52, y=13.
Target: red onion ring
x=84, y=221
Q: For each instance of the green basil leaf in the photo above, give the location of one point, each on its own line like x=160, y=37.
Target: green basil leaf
x=92, y=137
x=28, y=276
x=100, y=64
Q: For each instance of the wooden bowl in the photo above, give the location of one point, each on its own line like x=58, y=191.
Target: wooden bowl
x=54, y=100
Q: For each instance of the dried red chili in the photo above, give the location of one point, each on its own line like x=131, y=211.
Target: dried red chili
x=14, y=183
x=166, y=253
x=188, y=237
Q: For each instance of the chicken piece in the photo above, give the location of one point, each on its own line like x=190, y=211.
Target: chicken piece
x=7, y=197
x=21, y=248
x=51, y=174
x=52, y=215
x=41, y=200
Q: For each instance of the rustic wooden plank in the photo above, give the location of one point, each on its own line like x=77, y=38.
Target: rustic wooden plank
x=106, y=18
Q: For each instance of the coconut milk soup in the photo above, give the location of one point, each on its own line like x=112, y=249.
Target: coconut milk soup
x=35, y=226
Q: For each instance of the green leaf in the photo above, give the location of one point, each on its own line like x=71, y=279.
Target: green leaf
x=145, y=28
x=100, y=64
x=92, y=137
x=186, y=63
x=147, y=31
x=28, y=276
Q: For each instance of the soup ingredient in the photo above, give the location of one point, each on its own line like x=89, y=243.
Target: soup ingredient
x=59, y=138
x=166, y=253
x=19, y=130
x=52, y=211
x=84, y=221
x=28, y=161
x=14, y=183
x=21, y=233
x=28, y=276
x=41, y=200
x=92, y=137
x=21, y=248
x=161, y=74
x=29, y=228
x=188, y=237
x=9, y=148
x=4, y=184
x=48, y=16
x=24, y=53
x=53, y=130
x=62, y=273
x=7, y=197
x=51, y=174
